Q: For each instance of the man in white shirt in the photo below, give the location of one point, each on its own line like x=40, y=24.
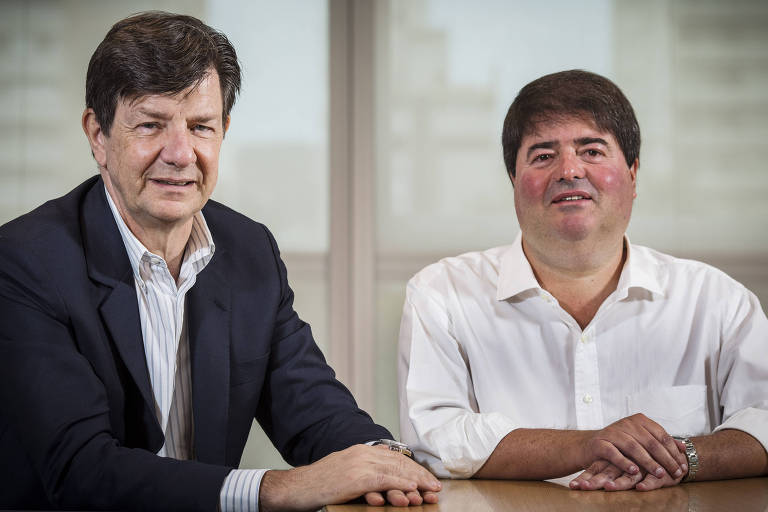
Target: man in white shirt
x=572, y=349
x=144, y=327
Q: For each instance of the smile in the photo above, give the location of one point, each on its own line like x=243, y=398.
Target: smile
x=571, y=198
x=174, y=183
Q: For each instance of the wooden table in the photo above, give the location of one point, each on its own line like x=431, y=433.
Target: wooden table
x=746, y=495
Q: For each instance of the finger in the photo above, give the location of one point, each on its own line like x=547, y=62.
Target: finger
x=604, y=478
x=414, y=498
x=631, y=446
x=650, y=483
x=624, y=482
x=614, y=453
x=397, y=498
x=664, y=450
x=429, y=497
x=661, y=447
x=375, y=499
x=582, y=481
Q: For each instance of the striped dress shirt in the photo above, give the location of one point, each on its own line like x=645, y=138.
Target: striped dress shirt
x=162, y=302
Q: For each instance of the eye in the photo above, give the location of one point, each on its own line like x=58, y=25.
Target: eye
x=149, y=125
x=542, y=158
x=202, y=128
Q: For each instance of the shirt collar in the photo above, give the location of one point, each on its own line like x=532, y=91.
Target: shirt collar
x=198, y=252
x=516, y=275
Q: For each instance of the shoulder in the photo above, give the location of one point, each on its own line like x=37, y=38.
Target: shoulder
x=472, y=270
x=696, y=280
x=52, y=223
x=235, y=232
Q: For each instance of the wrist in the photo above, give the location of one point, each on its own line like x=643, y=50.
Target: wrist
x=693, y=458
x=275, y=490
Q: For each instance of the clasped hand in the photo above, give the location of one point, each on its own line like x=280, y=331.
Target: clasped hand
x=633, y=452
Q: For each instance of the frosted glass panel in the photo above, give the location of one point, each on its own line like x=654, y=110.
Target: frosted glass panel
x=447, y=71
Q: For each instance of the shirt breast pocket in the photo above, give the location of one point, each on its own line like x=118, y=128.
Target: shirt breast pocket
x=680, y=410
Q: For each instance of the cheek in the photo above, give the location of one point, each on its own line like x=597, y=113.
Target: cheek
x=531, y=187
x=614, y=182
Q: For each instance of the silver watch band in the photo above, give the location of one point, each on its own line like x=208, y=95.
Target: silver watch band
x=693, y=458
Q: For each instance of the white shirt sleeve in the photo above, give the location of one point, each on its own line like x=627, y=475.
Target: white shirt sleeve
x=439, y=416
x=240, y=491
x=743, y=368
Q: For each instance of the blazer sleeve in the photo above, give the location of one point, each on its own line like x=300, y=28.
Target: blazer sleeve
x=304, y=409
x=54, y=406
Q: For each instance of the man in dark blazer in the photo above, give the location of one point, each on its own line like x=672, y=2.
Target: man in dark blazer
x=81, y=416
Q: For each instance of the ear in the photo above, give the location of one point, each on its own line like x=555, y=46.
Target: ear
x=96, y=136
x=633, y=173
x=226, y=124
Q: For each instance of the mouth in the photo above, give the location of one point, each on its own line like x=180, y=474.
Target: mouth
x=568, y=197
x=174, y=183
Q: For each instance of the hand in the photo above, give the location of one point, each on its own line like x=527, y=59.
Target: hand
x=633, y=445
x=604, y=475
x=345, y=475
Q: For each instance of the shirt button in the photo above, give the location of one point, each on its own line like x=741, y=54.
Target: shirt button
x=584, y=338
x=587, y=398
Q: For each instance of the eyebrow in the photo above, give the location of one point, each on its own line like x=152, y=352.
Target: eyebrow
x=156, y=114
x=583, y=141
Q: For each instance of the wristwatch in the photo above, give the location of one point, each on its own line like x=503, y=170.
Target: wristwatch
x=693, y=458
x=395, y=446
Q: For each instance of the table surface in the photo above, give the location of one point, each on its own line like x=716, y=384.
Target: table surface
x=744, y=495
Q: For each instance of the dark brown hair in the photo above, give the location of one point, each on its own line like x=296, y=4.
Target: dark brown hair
x=158, y=53
x=570, y=94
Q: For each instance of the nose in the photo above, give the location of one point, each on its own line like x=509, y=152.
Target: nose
x=570, y=170
x=178, y=150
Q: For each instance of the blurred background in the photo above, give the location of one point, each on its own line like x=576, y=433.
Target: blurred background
x=367, y=136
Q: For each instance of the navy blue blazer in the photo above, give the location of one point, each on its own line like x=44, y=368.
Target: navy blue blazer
x=77, y=421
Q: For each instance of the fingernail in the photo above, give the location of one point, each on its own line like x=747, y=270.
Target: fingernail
x=678, y=473
x=574, y=484
x=659, y=472
x=633, y=469
x=685, y=467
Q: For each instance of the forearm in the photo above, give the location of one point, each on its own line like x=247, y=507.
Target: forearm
x=536, y=454
x=730, y=453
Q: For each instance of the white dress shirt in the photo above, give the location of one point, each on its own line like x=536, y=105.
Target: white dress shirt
x=162, y=302
x=485, y=350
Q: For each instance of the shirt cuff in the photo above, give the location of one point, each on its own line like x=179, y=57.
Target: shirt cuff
x=751, y=420
x=240, y=491
x=466, y=442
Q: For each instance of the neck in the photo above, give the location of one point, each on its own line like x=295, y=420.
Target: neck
x=168, y=243
x=578, y=276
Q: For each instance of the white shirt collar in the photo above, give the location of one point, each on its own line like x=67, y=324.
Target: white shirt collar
x=516, y=275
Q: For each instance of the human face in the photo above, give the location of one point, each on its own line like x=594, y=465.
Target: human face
x=160, y=160
x=572, y=184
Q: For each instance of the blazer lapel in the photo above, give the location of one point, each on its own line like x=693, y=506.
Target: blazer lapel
x=108, y=265
x=208, y=309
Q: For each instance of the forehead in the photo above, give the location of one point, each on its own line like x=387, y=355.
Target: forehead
x=563, y=130
x=203, y=97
